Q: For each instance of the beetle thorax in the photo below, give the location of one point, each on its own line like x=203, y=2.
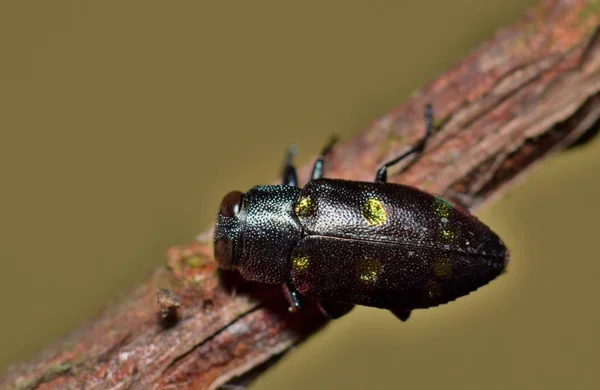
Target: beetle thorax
x=262, y=235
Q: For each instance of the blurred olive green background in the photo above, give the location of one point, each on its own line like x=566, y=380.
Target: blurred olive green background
x=122, y=124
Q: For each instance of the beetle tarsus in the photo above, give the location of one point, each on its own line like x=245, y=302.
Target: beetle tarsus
x=381, y=175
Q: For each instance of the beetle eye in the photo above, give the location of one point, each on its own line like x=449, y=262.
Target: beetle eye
x=231, y=204
x=223, y=253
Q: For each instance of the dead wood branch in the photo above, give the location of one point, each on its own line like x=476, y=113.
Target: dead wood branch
x=531, y=90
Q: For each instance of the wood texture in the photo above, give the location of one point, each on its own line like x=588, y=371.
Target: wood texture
x=532, y=89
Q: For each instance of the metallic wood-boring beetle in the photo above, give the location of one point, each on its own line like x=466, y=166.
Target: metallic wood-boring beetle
x=346, y=243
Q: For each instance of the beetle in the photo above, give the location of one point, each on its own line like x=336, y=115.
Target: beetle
x=345, y=243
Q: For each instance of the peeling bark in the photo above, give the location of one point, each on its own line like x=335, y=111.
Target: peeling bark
x=532, y=89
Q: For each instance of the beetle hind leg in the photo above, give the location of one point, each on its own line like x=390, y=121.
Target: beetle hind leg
x=381, y=175
x=401, y=314
x=334, y=310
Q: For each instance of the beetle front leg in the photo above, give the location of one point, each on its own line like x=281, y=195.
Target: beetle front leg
x=289, y=177
x=293, y=297
x=317, y=171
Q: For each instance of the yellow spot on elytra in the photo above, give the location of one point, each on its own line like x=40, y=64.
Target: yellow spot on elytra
x=442, y=207
x=374, y=213
x=447, y=234
x=442, y=268
x=300, y=264
x=304, y=207
x=433, y=290
x=367, y=270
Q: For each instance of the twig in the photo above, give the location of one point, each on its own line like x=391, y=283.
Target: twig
x=533, y=89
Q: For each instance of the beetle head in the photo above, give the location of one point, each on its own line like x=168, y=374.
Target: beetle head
x=229, y=230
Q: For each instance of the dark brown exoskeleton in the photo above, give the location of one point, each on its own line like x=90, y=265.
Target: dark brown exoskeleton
x=346, y=243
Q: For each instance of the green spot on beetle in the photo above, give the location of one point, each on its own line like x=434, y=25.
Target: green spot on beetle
x=442, y=268
x=442, y=207
x=447, y=234
x=304, y=207
x=300, y=264
x=367, y=270
x=374, y=212
x=433, y=290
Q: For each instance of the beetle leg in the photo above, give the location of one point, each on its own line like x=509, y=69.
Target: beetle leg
x=402, y=314
x=317, y=171
x=289, y=171
x=293, y=297
x=334, y=310
x=382, y=172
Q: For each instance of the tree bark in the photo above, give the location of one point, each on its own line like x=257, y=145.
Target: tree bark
x=532, y=89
